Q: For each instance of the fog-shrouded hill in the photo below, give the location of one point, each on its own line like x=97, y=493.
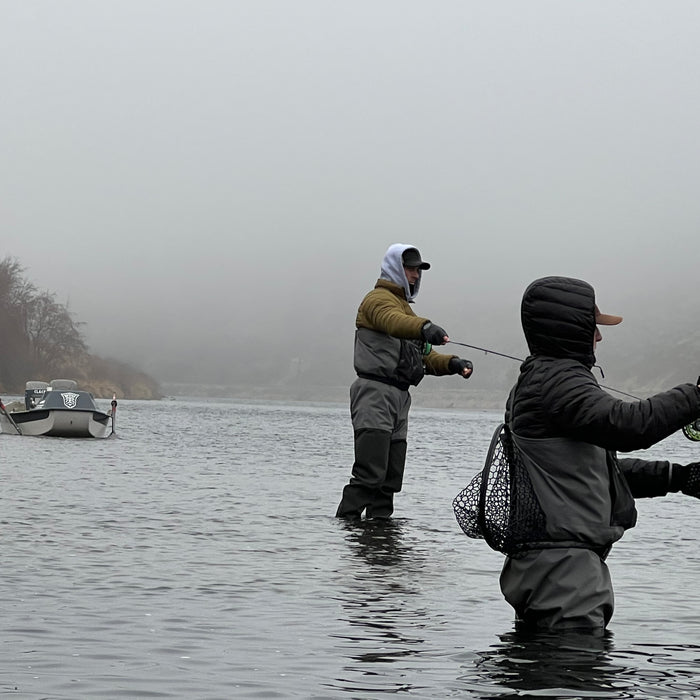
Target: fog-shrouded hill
x=650, y=351
x=42, y=340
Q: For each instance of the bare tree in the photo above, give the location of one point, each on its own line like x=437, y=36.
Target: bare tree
x=40, y=340
x=55, y=338
x=15, y=295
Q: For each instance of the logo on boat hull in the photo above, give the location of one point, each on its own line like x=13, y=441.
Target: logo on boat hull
x=70, y=399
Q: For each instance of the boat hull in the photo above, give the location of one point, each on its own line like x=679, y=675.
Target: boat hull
x=62, y=422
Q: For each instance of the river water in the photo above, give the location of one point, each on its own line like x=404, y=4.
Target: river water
x=195, y=555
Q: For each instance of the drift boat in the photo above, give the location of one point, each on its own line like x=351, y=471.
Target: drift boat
x=57, y=409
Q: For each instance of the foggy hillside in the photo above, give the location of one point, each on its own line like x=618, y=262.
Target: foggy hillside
x=657, y=354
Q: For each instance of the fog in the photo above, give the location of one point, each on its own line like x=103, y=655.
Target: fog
x=210, y=186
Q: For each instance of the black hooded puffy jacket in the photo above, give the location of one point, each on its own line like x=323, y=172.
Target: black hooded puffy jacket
x=557, y=395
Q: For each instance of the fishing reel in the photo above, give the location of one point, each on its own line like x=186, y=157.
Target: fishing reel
x=692, y=430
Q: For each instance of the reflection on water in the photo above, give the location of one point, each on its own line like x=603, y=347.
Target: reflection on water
x=377, y=542
x=379, y=602
x=582, y=665
x=198, y=557
x=577, y=664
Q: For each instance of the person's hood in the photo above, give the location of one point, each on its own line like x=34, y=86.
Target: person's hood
x=558, y=316
x=392, y=270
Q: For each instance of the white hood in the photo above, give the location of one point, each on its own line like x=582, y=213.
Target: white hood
x=392, y=270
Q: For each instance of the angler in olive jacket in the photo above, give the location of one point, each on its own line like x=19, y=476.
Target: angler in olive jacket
x=393, y=351
x=389, y=345
x=567, y=430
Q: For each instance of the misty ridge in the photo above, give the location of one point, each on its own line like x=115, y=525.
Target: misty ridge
x=305, y=352
x=42, y=341
x=638, y=361
x=309, y=357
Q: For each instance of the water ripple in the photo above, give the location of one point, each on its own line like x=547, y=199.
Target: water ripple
x=197, y=556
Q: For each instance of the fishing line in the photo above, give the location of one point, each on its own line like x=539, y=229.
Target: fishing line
x=691, y=431
x=520, y=359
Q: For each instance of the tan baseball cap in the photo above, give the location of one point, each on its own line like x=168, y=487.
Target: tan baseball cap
x=606, y=319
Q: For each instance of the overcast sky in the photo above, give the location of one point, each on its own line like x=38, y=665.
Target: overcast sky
x=229, y=173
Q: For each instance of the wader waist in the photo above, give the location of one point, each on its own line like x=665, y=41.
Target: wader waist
x=601, y=550
x=404, y=386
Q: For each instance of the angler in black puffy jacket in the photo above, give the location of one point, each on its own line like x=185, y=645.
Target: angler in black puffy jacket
x=568, y=431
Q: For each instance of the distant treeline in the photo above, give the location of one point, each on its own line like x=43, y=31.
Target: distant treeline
x=42, y=341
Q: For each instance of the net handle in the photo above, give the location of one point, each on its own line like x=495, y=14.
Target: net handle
x=481, y=516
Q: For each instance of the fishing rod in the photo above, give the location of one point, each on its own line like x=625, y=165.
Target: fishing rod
x=691, y=431
x=487, y=351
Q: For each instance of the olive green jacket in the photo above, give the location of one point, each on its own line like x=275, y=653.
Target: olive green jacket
x=386, y=312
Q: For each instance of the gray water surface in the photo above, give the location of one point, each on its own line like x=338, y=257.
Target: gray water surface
x=196, y=556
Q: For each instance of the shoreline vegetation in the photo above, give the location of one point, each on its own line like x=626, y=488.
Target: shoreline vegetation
x=42, y=341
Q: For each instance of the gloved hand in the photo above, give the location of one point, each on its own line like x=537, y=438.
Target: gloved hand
x=686, y=479
x=457, y=366
x=433, y=334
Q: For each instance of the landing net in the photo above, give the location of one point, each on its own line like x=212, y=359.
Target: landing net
x=499, y=505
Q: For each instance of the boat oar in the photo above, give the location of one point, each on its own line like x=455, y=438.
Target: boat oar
x=9, y=417
x=114, y=410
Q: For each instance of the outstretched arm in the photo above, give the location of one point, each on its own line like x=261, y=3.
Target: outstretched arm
x=648, y=479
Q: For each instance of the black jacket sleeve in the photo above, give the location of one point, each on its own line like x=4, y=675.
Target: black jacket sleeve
x=646, y=479
x=580, y=409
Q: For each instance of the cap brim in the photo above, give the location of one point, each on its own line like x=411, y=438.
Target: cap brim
x=424, y=266
x=606, y=319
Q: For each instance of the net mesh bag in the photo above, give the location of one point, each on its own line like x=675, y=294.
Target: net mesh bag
x=692, y=486
x=499, y=505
